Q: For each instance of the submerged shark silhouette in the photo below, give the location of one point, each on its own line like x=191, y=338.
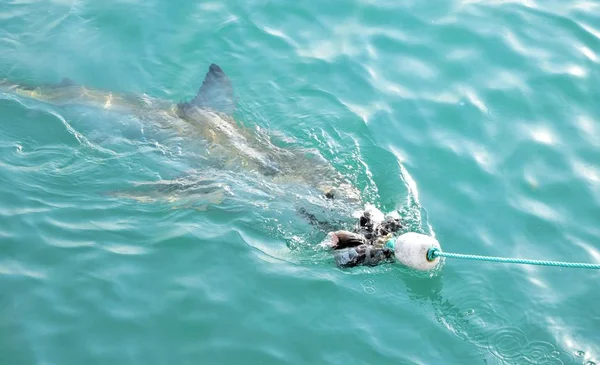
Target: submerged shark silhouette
x=209, y=115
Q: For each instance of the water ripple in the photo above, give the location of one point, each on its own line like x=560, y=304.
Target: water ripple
x=16, y=268
x=508, y=344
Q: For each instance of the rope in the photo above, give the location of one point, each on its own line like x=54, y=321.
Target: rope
x=433, y=253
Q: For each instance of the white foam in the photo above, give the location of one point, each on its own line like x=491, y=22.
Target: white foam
x=393, y=214
x=376, y=215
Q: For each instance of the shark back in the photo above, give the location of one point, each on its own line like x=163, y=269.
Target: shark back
x=68, y=93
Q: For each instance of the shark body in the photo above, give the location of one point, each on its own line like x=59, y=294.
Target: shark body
x=208, y=116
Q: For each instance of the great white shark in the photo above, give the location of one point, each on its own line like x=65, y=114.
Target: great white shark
x=209, y=116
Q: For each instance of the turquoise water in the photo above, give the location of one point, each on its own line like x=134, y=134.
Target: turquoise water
x=477, y=121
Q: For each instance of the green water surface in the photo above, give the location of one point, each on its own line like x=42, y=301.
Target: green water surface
x=479, y=121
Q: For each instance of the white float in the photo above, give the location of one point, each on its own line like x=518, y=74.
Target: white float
x=411, y=250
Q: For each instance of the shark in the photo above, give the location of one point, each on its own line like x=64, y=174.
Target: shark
x=209, y=117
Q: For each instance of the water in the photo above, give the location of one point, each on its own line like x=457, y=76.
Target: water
x=478, y=121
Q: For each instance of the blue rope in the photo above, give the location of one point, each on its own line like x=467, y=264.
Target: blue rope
x=433, y=253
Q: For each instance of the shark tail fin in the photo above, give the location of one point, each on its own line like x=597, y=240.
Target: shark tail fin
x=216, y=92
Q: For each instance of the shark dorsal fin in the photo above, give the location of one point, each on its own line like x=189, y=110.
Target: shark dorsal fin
x=216, y=92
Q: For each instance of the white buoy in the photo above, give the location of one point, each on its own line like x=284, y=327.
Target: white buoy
x=411, y=250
